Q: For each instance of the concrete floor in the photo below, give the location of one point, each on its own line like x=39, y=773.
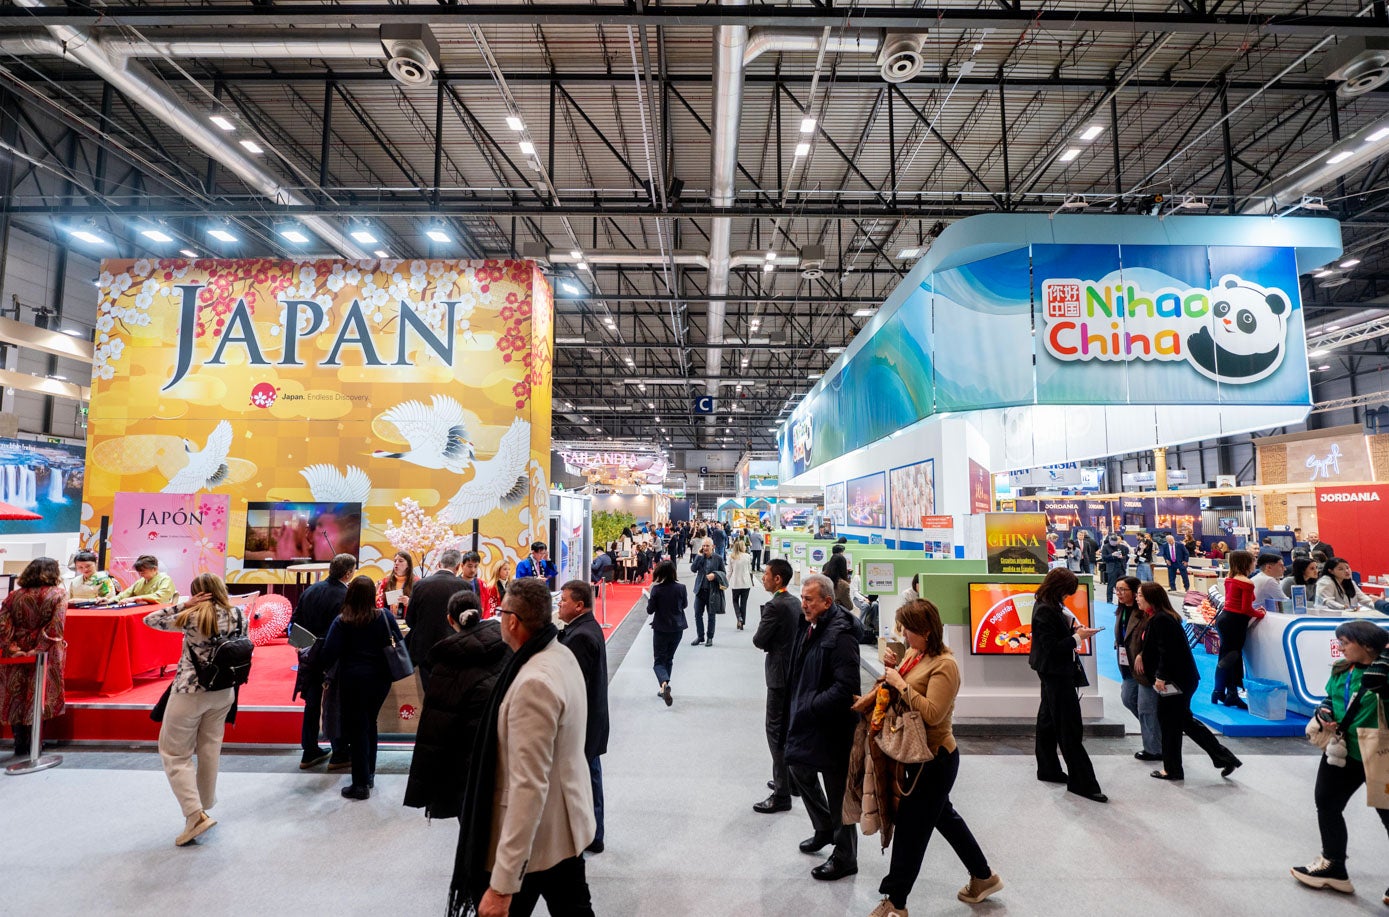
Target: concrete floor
x=95, y=835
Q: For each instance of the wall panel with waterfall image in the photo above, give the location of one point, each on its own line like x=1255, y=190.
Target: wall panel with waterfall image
x=328, y=382
x=44, y=478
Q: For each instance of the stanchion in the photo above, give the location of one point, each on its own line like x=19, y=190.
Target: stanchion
x=603, y=604
x=36, y=761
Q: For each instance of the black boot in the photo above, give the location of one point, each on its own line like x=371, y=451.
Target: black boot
x=23, y=738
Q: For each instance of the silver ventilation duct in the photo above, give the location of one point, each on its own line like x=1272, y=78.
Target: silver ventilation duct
x=764, y=40
x=730, y=43
x=1341, y=158
x=297, y=44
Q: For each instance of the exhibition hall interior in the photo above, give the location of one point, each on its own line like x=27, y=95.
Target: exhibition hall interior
x=694, y=458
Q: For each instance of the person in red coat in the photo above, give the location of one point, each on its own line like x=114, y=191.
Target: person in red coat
x=31, y=620
x=1233, y=625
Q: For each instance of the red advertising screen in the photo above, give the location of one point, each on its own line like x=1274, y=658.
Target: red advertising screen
x=1000, y=617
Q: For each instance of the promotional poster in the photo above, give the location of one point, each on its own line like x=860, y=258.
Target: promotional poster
x=340, y=382
x=187, y=532
x=867, y=498
x=44, y=478
x=913, y=493
x=835, y=504
x=980, y=488
x=1017, y=542
x=1000, y=617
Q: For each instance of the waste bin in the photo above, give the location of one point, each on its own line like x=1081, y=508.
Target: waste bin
x=1268, y=700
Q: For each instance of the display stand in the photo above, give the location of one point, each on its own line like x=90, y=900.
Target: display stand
x=35, y=761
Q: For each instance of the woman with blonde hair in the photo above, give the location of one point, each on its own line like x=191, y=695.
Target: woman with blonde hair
x=740, y=579
x=927, y=679
x=196, y=718
x=494, y=591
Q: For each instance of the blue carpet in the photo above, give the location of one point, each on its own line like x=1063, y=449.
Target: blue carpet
x=1229, y=721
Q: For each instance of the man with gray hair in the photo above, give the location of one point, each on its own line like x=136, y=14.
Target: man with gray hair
x=824, y=679
x=427, y=613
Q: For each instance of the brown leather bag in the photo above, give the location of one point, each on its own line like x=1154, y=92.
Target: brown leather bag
x=903, y=736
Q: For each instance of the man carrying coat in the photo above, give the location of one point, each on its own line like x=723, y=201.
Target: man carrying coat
x=584, y=637
x=708, y=597
x=776, y=636
x=824, y=679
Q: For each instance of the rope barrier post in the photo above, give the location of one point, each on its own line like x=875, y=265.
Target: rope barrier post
x=603, y=602
x=36, y=761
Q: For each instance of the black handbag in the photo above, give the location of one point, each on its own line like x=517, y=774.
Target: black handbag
x=157, y=714
x=1081, y=679
x=398, y=661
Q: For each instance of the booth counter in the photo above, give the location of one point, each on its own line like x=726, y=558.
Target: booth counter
x=1299, y=651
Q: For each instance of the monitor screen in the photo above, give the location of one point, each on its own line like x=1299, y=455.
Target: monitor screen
x=1000, y=617
x=281, y=534
x=1283, y=542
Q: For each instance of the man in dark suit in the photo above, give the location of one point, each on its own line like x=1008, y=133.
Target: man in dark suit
x=1314, y=540
x=584, y=637
x=720, y=536
x=824, y=679
x=1176, y=556
x=427, y=613
x=706, y=566
x=776, y=636
x=317, y=608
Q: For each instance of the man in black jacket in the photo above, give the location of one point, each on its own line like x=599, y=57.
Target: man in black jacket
x=427, y=613
x=824, y=679
x=706, y=566
x=584, y=637
x=318, y=606
x=776, y=636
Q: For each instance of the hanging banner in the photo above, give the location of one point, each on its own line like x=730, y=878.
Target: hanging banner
x=186, y=532
x=1017, y=542
x=1352, y=519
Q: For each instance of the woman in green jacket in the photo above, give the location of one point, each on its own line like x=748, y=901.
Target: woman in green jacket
x=1364, y=665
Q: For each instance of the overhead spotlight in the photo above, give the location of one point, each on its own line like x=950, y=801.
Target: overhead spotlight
x=223, y=122
x=221, y=235
x=252, y=147
x=1070, y=154
x=1091, y=132
x=754, y=324
x=363, y=235
x=436, y=233
x=86, y=235
x=515, y=123
x=293, y=234
x=156, y=235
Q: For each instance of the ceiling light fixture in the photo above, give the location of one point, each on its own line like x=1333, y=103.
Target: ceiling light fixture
x=295, y=235
x=835, y=350
x=155, y=235
x=1070, y=154
x=802, y=149
x=768, y=267
x=252, y=147
x=1324, y=273
x=807, y=125
x=1351, y=263
x=1378, y=135
x=381, y=253
x=437, y=234
x=571, y=288
x=363, y=235
x=1339, y=157
x=527, y=148
x=188, y=253
x=1091, y=132
x=909, y=253
x=515, y=123
x=771, y=256
x=814, y=375
x=582, y=265
x=221, y=235
x=863, y=313
x=223, y=122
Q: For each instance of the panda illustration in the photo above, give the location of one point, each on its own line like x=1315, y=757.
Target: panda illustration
x=1244, y=337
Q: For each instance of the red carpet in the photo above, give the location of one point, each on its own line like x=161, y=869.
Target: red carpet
x=622, y=598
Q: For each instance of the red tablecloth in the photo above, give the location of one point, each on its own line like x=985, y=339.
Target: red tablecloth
x=108, y=647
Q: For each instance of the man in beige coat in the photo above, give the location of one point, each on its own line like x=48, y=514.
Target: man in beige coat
x=542, y=811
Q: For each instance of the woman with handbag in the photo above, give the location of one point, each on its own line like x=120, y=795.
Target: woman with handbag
x=1056, y=637
x=365, y=644
x=32, y=619
x=1166, y=659
x=1137, y=690
x=1357, y=681
x=926, y=681
x=195, y=718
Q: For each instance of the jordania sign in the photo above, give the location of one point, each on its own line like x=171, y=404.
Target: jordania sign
x=1368, y=496
x=1235, y=333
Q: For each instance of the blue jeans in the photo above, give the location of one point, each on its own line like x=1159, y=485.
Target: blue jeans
x=1145, y=572
x=1142, y=702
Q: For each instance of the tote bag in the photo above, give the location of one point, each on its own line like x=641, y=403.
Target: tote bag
x=903, y=736
x=1374, y=753
x=397, y=657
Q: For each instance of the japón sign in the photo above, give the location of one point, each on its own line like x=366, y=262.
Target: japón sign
x=1235, y=333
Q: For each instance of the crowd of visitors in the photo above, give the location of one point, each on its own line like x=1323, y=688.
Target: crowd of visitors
x=515, y=722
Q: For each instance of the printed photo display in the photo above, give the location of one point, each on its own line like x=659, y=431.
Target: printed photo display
x=913, y=493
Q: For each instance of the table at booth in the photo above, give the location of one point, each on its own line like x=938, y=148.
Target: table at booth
x=1299, y=651
x=108, y=647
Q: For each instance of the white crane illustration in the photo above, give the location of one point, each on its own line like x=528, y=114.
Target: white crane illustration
x=435, y=432
x=206, y=468
x=328, y=485
x=499, y=481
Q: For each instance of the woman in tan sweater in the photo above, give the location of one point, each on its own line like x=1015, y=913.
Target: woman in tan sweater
x=928, y=679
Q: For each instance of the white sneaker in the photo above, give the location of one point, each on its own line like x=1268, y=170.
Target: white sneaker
x=1323, y=873
x=979, y=889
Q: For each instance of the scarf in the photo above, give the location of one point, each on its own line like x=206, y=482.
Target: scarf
x=475, y=821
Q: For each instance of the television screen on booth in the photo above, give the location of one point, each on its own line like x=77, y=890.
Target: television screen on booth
x=1283, y=542
x=1000, y=617
x=281, y=534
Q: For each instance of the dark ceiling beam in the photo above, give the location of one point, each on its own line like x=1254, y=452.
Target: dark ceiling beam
x=1056, y=20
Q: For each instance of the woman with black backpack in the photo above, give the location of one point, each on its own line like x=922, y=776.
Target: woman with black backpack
x=195, y=716
x=357, y=642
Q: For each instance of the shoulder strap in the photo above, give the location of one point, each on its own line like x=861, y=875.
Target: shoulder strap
x=1344, y=726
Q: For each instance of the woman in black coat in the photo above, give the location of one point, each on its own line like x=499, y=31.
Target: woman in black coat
x=666, y=606
x=1168, y=661
x=463, y=669
x=1056, y=636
